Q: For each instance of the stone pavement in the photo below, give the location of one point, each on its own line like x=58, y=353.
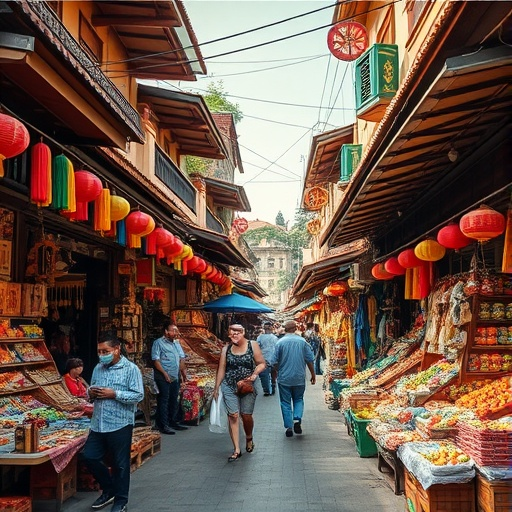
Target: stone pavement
x=319, y=470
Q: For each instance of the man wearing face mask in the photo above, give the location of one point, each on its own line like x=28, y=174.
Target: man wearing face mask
x=116, y=389
x=169, y=367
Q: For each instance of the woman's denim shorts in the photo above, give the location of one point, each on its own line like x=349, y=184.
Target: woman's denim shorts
x=234, y=403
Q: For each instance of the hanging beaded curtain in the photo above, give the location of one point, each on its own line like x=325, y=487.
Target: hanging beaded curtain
x=41, y=175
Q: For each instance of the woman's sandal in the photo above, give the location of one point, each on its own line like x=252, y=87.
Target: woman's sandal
x=234, y=456
x=249, y=445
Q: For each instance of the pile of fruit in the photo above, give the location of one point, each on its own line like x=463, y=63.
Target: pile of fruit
x=8, y=356
x=28, y=352
x=489, y=399
x=430, y=379
x=445, y=454
x=455, y=392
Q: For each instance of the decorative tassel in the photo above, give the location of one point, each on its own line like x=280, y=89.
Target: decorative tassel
x=121, y=233
x=102, y=211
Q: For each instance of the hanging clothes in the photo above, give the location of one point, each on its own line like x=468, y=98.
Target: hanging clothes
x=362, y=329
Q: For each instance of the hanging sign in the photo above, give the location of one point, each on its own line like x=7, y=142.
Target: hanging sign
x=347, y=40
x=240, y=225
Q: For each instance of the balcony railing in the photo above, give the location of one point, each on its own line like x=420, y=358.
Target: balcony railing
x=168, y=172
x=55, y=34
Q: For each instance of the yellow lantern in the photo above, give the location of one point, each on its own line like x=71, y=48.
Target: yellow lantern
x=429, y=250
x=119, y=208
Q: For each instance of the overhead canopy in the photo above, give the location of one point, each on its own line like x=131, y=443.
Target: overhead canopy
x=315, y=276
x=468, y=108
x=227, y=194
x=235, y=303
x=251, y=287
x=157, y=36
x=188, y=118
x=324, y=160
x=214, y=246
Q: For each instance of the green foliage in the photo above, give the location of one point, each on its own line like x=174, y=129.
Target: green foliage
x=198, y=165
x=216, y=99
x=280, y=219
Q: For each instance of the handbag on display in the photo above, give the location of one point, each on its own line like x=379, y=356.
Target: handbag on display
x=244, y=387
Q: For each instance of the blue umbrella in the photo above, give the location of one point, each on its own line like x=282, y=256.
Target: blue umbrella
x=236, y=303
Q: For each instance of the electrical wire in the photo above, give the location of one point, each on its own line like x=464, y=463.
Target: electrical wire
x=262, y=69
x=275, y=122
x=267, y=61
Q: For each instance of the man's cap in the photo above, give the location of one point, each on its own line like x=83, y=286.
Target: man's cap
x=237, y=327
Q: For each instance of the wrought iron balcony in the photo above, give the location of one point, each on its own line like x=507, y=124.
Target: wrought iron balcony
x=170, y=175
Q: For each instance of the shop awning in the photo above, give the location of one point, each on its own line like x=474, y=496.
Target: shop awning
x=227, y=194
x=468, y=109
x=251, y=287
x=158, y=38
x=316, y=276
x=214, y=247
x=324, y=160
x=188, y=118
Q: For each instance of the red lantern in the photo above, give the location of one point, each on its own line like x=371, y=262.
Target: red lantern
x=157, y=240
x=41, y=175
x=88, y=188
x=429, y=250
x=173, y=249
x=336, y=288
x=379, y=272
x=482, y=224
x=452, y=237
x=408, y=259
x=201, y=267
x=14, y=139
x=393, y=267
x=137, y=222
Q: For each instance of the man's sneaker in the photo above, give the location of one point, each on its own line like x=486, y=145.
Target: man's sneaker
x=104, y=500
x=118, y=508
x=297, y=427
x=289, y=432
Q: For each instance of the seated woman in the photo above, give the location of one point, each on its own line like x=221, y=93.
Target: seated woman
x=74, y=382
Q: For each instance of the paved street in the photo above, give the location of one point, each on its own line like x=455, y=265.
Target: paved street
x=317, y=471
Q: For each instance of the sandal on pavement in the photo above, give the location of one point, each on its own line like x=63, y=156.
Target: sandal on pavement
x=234, y=456
x=249, y=445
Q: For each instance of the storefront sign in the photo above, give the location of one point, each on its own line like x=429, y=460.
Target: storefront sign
x=124, y=269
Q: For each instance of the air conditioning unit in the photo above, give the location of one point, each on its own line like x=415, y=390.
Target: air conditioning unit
x=350, y=157
x=376, y=80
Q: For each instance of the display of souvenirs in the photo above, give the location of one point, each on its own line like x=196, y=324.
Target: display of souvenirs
x=28, y=352
x=489, y=399
x=391, y=437
x=425, y=383
x=454, y=392
x=43, y=375
x=12, y=381
x=489, y=362
x=22, y=331
x=8, y=356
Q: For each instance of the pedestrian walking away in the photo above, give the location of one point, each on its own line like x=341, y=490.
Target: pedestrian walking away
x=267, y=342
x=169, y=370
x=292, y=354
x=240, y=360
x=116, y=389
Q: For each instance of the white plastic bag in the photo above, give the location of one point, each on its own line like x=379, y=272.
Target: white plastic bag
x=218, y=417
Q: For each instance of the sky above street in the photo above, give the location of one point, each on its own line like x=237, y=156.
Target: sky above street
x=288, y=90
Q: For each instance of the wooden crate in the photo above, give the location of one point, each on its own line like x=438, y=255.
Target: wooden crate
x=493, y=496
x=16, y=504
x=440, y=497
x=144, y=452
x=47, y=484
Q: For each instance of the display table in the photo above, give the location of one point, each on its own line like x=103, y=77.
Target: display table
x=387, y=459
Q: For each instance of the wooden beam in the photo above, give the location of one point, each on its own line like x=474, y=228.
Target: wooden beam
x=108, y=20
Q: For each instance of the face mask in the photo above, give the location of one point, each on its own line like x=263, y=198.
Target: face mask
x=106, y=358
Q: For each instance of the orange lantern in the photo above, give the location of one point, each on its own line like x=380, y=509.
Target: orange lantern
x=393, y=267
x=14, y=139
x=41, y=175
x=452, y=237
x=408, y=259
x=379, y=272
x=429, y=250
x=336, y=288
x=482, y=224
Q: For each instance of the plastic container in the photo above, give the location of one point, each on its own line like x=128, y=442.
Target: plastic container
x=365, y=444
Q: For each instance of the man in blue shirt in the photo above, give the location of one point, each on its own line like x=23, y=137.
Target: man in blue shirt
x=292, y=354
x=169, y=365
x=116, y=389
x=267, y=343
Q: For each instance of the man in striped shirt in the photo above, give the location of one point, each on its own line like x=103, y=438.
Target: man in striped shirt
x=116, y=389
